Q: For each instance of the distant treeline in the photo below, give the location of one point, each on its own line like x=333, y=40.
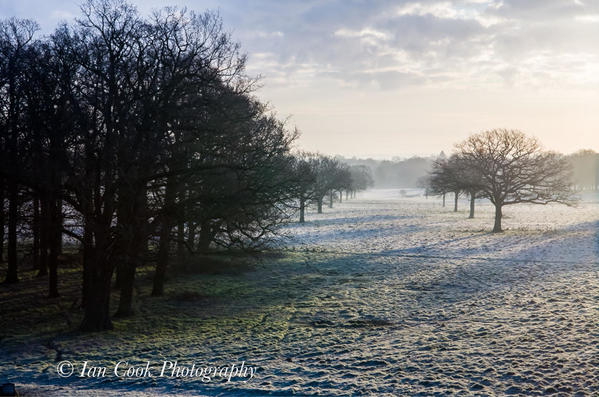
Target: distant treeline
x=397, y=173
x=406, y=173
x=585, y=169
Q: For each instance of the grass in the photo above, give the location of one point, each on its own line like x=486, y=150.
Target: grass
x=216, y=309
x=201, y=281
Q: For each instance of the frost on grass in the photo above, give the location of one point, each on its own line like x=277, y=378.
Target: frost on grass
x=379, y=295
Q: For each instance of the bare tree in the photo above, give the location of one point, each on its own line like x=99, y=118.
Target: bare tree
x=513, y=168
x=304, y=170
x=446, y=177
x=15, y=38
x=361, y=179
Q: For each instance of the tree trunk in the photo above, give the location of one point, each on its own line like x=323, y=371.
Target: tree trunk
x=118, y=273
x=319, y=203
x=206, y=236
x=127, y=280
x=346, y=195
x=12, y=184
x=165, y=240
x=35, y=228
x=162, y=260
x=55, y=242
x=97, y=316
x=302, y=210
x=13, y=211
x=340, y=196
x=44, y=233
x=455, y=201
x=181, y=251
x=331, y=199
x=2, y=220
x=443, y=199
x=87, y=252
x=498, y=215
x=472, y=198
x=134, y=238
x=97, y=307
x=181, y=241
x=191, y=236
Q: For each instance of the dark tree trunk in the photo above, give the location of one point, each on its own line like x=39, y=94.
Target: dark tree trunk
x=99, y=262
x=162, y=260
x=455, y=201
x=119, y=256
x=87, y=257
x=122, y=243
x=206, y=236
x=191, y=236
x=53, y=272
x=302, y=210
x=340, y=196
x=498, y=215
x=331, y=199
x=97, y=302
x=118, y=272
x=55, y=240
x=127, y=280
x=135, y=244
x=181, y=251
x=443, y=199
x=12, y=145
x=2, y=220
x=319, y=203
x=181, y=241
x=192, y=226
x=165, y=240
x=472, y=198
x=44, y=234
x=35, y=227
x=13, y=211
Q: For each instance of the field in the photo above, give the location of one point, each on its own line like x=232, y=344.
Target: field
x=380, y=295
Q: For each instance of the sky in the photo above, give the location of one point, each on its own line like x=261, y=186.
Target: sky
x=400, y=78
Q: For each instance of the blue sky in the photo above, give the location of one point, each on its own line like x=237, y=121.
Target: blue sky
x=385, y=78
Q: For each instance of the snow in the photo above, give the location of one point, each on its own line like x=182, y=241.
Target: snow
x=386, y=295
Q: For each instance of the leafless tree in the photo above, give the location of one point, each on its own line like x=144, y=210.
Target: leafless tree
x=16, y=36
x=445, y=177
x=513, y=168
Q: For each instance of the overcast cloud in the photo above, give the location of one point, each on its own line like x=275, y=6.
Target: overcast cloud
x=386, y=78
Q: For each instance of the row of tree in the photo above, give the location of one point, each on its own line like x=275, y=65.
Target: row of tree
x=505, y=167
x=320, y=176
x=137, y=137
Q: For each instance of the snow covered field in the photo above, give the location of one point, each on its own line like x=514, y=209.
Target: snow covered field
x=380, y=295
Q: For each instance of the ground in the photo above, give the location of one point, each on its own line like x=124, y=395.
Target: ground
x=383, y=294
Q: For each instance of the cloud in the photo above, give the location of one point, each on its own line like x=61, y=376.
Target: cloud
x=422, y=42
x=513, y=42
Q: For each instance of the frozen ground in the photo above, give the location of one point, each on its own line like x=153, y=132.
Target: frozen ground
x=379, y=295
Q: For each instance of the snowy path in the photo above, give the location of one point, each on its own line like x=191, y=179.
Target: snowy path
x=390, y=296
